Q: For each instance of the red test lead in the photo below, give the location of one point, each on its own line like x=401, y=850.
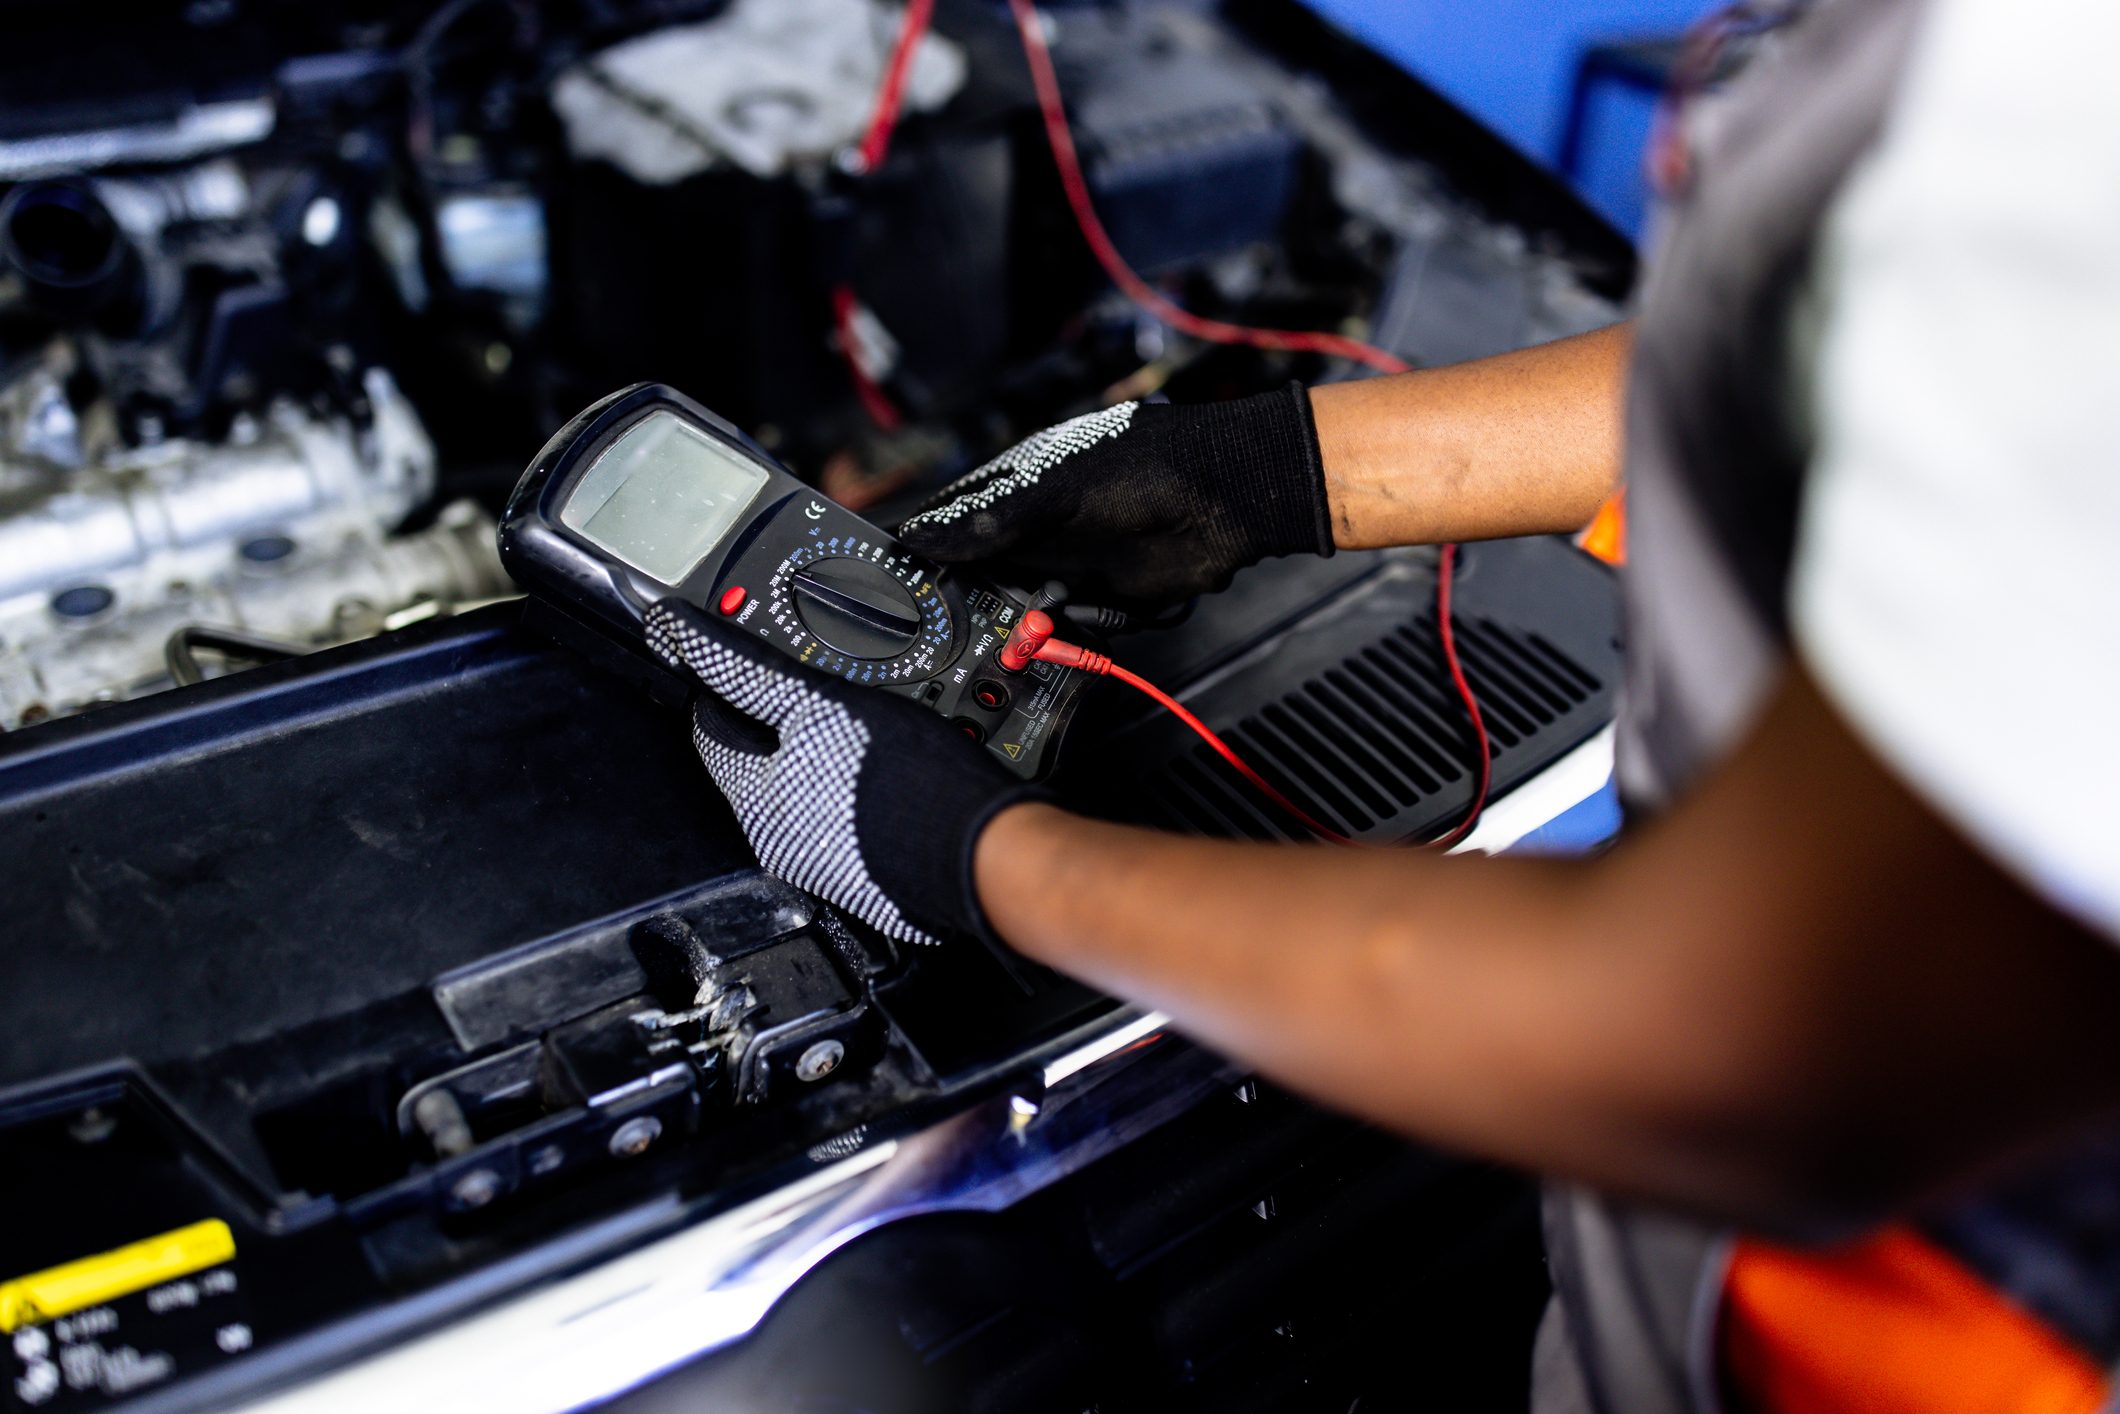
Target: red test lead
x=1033, y=638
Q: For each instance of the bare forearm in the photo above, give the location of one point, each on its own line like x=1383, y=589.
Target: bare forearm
x=1452, y=998
x=1758, y=1007
x=1522, y=443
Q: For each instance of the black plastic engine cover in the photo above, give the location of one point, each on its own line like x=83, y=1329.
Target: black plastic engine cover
x=267, y=852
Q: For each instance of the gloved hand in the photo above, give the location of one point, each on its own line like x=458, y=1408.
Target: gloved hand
x=1142, y=502
x=859, y=796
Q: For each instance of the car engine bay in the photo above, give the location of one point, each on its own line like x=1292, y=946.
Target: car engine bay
x=237, y=326
x=351, y=915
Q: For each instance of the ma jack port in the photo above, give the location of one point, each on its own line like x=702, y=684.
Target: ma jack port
x=990, y=695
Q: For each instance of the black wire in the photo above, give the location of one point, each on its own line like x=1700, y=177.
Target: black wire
x=1102, y=618
x=181, y=651
x=1050, y=598
x=650, y=107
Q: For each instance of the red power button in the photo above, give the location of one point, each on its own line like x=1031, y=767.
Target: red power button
x=732, y=598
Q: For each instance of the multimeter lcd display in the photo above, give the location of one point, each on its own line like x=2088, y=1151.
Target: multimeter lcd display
x=661, y=496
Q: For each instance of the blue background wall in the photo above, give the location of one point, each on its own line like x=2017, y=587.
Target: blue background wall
x=1512, y=63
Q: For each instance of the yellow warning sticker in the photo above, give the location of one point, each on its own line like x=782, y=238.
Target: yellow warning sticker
x=1013, y=748
x=91, y=1281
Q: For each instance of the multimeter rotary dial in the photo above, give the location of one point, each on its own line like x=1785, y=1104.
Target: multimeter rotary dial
x=856, y=607
x=853, y=609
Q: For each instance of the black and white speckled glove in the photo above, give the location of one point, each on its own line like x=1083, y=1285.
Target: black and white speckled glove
x=1142, y=502
x=859, y=796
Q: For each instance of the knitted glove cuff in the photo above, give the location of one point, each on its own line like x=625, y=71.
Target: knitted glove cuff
x=1259, y=457
x=920, y=841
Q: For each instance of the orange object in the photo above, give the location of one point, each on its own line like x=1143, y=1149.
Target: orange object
x=1892, y=1324
x=1606, y=535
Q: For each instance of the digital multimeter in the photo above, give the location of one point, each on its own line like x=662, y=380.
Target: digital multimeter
x=647, y=495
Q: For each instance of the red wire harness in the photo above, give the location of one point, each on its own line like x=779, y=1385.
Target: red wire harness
x=1445, y=574
x=874, y=401
x=1061, y=139
x=890, y=96
x=867, y=157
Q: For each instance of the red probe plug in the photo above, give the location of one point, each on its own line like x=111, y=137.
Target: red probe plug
x=1030, y=634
